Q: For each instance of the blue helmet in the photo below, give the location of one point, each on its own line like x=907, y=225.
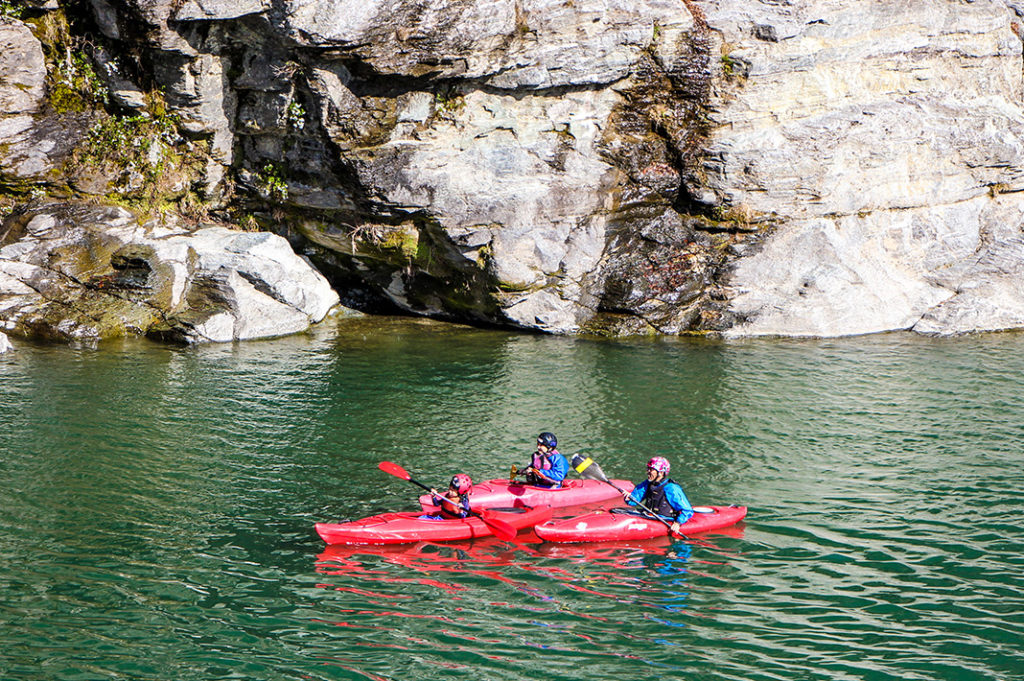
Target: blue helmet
x=547, y=439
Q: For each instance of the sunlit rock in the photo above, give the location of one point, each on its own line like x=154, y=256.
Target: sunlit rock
x=886, y=143
x=82, y=273
x=22, y=88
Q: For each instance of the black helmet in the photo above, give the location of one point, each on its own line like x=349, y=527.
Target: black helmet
x=547, y=439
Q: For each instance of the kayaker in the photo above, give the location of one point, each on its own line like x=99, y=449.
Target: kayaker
x=547, y=468
x=455, y=502
x=661, y=494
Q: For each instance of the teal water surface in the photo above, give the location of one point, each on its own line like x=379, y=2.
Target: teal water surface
x=157, y=508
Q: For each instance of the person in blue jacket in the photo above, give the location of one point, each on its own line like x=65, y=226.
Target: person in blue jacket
x=547, y=468
x=661, y=494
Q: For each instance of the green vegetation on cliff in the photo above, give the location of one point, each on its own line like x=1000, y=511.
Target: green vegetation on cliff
x=11, y=9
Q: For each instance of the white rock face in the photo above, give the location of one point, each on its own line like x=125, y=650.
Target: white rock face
x=521, y=177
x=192, y=10
x=5, y=343
x=527, y=44
x=91, y=273
x=517, y=174
x=22, y=89
x=882, y=141
x=886, y=140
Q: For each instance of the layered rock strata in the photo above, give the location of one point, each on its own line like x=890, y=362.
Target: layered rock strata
x=595, y=166
x=888, y=140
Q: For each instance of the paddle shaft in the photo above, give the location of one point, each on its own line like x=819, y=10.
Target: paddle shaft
x=500, y=527
x=603, y=478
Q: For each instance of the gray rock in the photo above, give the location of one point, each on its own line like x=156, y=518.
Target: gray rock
x=195, y=89
x=528, y=44
x=887, y=163
x=22, y=70
x=76, y=273
x=218, y=10
x=36, y=147
x=106, y=18
x=154, y=19
x=121, y=88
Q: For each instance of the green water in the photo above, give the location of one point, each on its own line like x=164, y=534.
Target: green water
x=157, y=508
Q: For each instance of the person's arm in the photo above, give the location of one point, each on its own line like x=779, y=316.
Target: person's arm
x=677, y=499
x=447, y=504
x=637, y=495
x=559, y=469
x=528, y=468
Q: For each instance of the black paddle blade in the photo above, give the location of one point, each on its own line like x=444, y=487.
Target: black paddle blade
x=588, y=468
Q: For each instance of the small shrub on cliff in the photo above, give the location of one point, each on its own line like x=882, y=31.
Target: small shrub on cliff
x=11, y=9
x=271, y=182
x=142, y=160
x=403, y=242
x=75, y=85
x=447, y=102
x=296, y=116
x=126, y=138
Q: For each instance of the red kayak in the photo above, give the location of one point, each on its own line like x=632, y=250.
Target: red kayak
x=400, y=528
x=628, y=524
x=501, y=492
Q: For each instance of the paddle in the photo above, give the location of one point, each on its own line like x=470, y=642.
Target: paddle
x=588, y=468
x=500, y=528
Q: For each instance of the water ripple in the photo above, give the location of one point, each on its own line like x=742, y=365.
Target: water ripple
x=156, y=516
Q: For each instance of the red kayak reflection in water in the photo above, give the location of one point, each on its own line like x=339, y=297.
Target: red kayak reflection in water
x=384, y=592
x=487, y=557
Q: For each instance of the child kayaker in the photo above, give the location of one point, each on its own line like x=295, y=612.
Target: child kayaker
x=661, y=494
x=454, y=503
x=547, y=468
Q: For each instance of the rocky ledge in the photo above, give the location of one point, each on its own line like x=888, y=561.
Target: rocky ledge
x=73, y=273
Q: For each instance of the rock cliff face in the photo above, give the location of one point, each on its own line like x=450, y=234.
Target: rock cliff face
x=742, y=167
x=886, y=138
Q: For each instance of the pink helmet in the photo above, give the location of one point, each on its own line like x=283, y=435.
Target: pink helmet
x=461, y=483
x=660, y=464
